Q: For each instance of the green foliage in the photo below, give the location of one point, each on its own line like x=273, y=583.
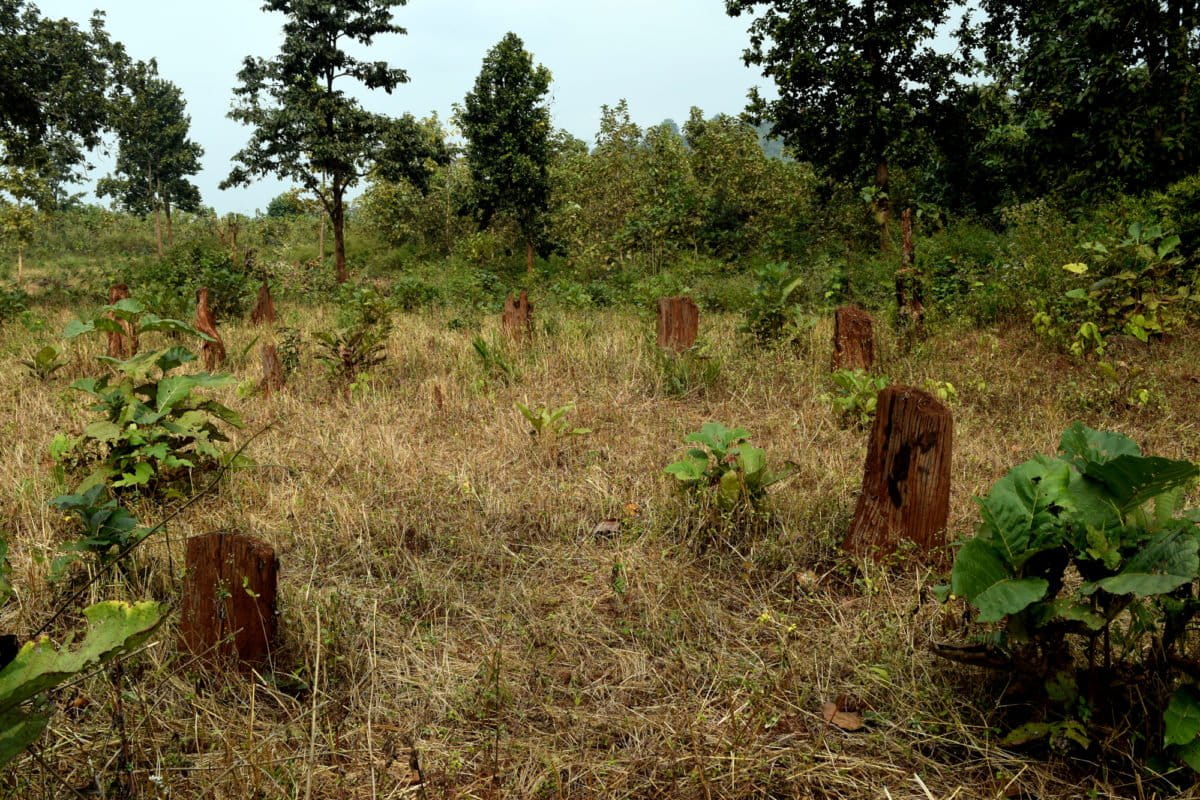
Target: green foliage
x=44, y=363
x=1137, y=286
x=546, y=422
x=168, y=287
x=113, y=629
x=725, y=478
x=1112, y=516
x=494, y=361
x=152, y=427
x=855, y=395
x=771, y=313
x=506, y=122
x=107, y=528
x=13, y=301
x=693, y=371
x=410, y=293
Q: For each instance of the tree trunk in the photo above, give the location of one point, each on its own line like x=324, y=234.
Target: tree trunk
x=158, y=228
x=906, y=482
x=206, y=323
x=20, y=263
x=518, y=316
x=229, y=599
x=121, y=345
x=272, y=371
x=883, y=205
x=338, y=219
x=910, y=303
x=678, y=323
x=853, y=339
x=529, y=256
x=321, y=236
x=264, y=309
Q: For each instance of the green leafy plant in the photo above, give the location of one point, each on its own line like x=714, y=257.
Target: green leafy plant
x=693, y=371
x=494, y=361
x=726, y=478
x=44, y=363
x=113, y=629
x=772, y=313
x=153, y=427
x=348, y=353
x=855, y=395
x=1093, y=545
x=546, y=422
x=107, y=528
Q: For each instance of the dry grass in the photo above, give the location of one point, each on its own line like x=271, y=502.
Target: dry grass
x=451, y=628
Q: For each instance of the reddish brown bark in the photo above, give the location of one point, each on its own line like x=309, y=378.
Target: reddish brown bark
x=910, y=303
x=906, y=482
x=121, y=345
x=272, y=371
x=518, y=316
x=678, y=323
x=229, y=593
x=206, y=323
x=853, y=339
x=264, y=309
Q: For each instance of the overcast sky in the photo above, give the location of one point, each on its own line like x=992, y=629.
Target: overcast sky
x=663, y=56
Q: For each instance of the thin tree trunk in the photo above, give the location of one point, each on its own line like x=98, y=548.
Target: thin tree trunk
x=321, y=235
x=20, y=263
x=338, y=219
x=158, y=228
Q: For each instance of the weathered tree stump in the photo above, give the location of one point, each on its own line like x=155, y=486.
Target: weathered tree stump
x=121, y=345
x=910, y=300
x=206, y=323
x=229, y=593
x=906, y=482
x=518, y=316
x=264, y=309
x=272, y=371
x=853, y=339
x=678, y=323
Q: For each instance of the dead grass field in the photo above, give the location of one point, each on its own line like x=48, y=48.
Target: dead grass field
x=452, y=629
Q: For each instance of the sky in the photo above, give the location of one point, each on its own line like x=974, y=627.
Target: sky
x=663, y=56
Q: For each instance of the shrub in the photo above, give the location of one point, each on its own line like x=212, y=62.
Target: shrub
x=168, y=287
x=771, y=314
x=410, y=293
x=1091, y=546
x=855, y=395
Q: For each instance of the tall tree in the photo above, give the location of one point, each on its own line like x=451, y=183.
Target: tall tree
x=155, y=155
x=1107, y=93
x=507, y=125
x=856, y=79
x=306, y=128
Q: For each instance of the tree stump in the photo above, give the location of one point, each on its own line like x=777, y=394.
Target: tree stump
x=853, y=339
x=206, y=323
x=678, y=323
x=906, y=482
x=518, y=316
x=910, y=300
x=272, y=371
x=229, y=593
x=121, y=345
x=264, y=309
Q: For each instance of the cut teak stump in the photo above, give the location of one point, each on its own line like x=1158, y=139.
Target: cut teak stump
x=229, y=595
x=264, y=309
x=906, y=483
x=518, y=316
x=121, y=345
x=272, y=371
x=678, y=323
x=853, y=339
x=206, y=323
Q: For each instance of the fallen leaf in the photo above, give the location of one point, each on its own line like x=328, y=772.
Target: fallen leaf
x=845, y=720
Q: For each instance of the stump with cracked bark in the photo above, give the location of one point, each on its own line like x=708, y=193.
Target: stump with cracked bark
x=121, y=345
x=272, y=371
x=906, y=482
x=228, y=612
x=518, y=316
x=678, y=323
x=264, y=309
x=206, y=322
x=853, y=339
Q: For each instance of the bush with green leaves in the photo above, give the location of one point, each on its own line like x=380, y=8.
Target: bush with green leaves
x=545, y=422
x=1084, y=571
x=107, y=529
x=1139, y=286
x=694, y=371
x=13, y=301
x=168, y=286
x=113, y=629
x=726, y=478
x=44, y=363
x=855, y=395
x=153, y=426
x=359, y=342
x=772, y=312
x=495, y=363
